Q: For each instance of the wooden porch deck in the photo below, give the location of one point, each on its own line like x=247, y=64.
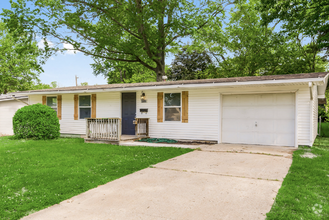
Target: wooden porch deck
x=123, y=138
x=108, y=130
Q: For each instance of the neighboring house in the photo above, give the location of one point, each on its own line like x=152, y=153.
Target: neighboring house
x=8, y=108
x=269, y=110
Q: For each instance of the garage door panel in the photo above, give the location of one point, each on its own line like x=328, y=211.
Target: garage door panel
x=239, y=113
x=265, y=138
x=265, y=99
x=264, y=112
x=246, y=137
x=235, y=125
x=285, y=140
x=284, y=126
x=265, y=125
x=285, y=112
x=231, y=101
x=259, y=119
x=285, y=98
x=231, y=125
x=238, y=137
x=247, y=100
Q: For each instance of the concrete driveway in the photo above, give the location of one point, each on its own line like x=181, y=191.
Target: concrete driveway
x=216, y=182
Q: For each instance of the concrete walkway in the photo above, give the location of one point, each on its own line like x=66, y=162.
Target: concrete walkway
x=216, y=182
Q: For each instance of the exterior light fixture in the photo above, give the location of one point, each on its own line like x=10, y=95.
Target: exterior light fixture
x=143, y=97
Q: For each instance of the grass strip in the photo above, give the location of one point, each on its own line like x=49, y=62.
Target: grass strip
x=305, y=190
x=38, y=174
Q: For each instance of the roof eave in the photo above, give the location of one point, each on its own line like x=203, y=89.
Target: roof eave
x=318, y=81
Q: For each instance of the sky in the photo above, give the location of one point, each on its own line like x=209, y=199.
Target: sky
x=63, y=68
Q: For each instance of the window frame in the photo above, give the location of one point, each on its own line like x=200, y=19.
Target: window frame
x=164, y=107
x=56, y=103
x=84, y=106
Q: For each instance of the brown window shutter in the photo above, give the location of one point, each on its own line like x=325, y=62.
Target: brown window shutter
x=93, y=105
x=160, y=106
x=185, y=107
x=59, y=107
x=76, y=107
x=44, y=100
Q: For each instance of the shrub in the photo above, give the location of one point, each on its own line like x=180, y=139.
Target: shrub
x=324, y=131
x=36, y=121
x=322, y=112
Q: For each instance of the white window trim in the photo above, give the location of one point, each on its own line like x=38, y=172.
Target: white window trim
x=164, y=107
x=82, y=119
x=56, y=102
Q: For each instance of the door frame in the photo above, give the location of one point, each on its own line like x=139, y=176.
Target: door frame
x=122, y=106
x=295, y=92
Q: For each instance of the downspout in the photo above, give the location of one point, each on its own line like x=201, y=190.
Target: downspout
x=310, y=85
x=13, y=96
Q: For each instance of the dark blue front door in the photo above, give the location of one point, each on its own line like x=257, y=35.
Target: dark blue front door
x=128, y=113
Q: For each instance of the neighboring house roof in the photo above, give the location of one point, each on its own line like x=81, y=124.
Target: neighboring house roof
x=276, y=79
x=9, y=97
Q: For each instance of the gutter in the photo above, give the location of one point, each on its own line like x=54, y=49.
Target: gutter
x=13, y=97
x=317, y=81
x=310, y=85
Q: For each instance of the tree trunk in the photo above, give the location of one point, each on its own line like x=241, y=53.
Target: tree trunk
x=160, y=72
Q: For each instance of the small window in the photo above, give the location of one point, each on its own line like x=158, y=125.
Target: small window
x=84, y=106
x=52, y=102
x=172, y=106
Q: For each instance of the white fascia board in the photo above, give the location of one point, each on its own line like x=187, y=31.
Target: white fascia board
x=322, y=88
x=11, y=99
x=318, y=81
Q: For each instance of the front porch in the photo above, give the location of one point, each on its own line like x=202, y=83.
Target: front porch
x=109, y=130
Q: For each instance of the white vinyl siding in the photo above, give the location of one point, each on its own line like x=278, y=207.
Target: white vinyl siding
x=108, y=105
x=314, y=113
x=304, y=116
x=7, y=112
x=203, y=117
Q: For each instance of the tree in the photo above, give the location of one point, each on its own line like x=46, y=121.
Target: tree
x=39, y=85
x=309, y=17
x=122, y=72
x=114, y=31
x=189, y=65
x=84, y=84
x=54, y=84
x=247, y=48
x=19, y=65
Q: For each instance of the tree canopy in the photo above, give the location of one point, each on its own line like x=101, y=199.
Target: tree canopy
x=19, y=66
x=189, y=65
x=140, y=31
x=245, y=47
x=309, y=17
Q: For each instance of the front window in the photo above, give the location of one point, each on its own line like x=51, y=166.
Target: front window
x=84, y=106
x=172, y=106
x=52, y=102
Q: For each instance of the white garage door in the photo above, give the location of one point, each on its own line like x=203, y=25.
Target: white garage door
x=267, y=119
x=7, y=111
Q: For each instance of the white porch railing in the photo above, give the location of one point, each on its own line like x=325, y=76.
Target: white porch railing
x=142, y=127
x=105, y=129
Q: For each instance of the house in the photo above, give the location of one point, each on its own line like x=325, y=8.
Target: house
x=8, y=108
x=276, y=110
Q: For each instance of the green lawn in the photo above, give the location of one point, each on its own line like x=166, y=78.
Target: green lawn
x=305, y=190
x=38, y=174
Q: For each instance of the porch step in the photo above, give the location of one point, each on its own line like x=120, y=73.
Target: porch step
x=101, y=141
